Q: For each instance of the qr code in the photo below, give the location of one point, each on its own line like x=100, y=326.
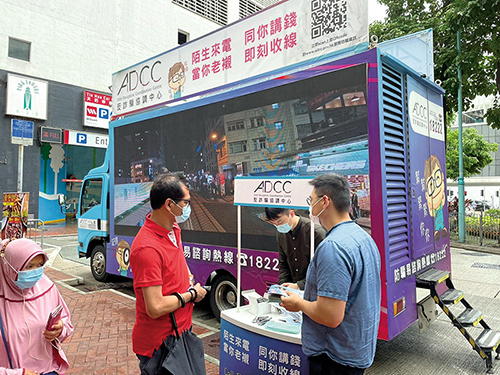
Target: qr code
x=327, y=16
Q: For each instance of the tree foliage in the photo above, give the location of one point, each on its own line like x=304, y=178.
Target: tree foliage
x=479, y=24
x=476, y=153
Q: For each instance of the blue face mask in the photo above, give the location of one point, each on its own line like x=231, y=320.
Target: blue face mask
x=28, y=279
x=186, y=211
x=284, y=228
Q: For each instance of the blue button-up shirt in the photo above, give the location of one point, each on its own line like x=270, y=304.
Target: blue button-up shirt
x=346, y=266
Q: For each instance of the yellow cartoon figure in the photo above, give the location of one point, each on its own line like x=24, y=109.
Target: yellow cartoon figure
x=435, y=194
x=123, y=257
x=176, y=78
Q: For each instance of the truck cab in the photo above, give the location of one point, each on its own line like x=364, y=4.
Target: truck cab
x=93, y=219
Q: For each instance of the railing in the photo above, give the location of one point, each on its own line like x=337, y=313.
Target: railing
x=482, y=228
x=36, y=228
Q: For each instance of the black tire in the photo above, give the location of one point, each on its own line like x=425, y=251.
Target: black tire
x=222, y=294
x=98, y=263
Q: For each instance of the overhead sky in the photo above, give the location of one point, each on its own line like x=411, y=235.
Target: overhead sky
x=376, y=11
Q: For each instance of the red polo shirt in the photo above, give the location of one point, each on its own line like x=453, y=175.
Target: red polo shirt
x=155, y=260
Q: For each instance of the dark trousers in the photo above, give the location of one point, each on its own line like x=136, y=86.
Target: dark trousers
x=143, y=360
x=324, y=365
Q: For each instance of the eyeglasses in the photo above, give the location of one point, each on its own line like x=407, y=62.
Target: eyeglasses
x=434, y=182
x=177, y=77
x=188, y=201
x=309, y=200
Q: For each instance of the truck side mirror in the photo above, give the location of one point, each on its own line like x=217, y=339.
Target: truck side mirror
x=62, y=199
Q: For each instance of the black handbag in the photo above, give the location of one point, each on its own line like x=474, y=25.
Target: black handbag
x=179, y=354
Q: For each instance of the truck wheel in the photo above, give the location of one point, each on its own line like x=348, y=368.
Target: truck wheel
x=222, y=294
x=98, y=263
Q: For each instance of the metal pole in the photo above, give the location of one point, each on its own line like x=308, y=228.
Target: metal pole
x=20, y=163
x=238, y=280
x=461, y=188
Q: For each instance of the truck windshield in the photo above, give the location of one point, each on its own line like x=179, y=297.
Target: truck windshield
x=91, y=195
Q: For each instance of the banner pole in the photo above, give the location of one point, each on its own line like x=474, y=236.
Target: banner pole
x=20, y=169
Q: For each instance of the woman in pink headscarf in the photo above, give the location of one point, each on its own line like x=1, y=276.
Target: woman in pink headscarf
x=27, y=297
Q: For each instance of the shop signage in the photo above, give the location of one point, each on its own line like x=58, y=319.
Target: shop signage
x=26, y=97
x=15, y=215
x=287, y=192
x=85, y=139
x=22, y=132
x=97, y=110
x=50, y=135
x=289, y=33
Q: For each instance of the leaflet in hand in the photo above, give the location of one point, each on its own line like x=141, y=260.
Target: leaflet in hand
x=277, y=291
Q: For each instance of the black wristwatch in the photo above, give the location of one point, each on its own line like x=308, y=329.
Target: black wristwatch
x=190, y=290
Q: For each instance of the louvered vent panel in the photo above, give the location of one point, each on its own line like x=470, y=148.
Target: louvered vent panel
x=395, y=165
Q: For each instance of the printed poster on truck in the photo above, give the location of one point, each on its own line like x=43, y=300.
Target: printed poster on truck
x=427, y=162
x=289, y=33
x=15, y=215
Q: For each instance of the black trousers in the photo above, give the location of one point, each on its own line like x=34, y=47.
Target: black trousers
x=324, y=365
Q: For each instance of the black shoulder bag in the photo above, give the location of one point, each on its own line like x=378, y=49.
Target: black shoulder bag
x=179, y=354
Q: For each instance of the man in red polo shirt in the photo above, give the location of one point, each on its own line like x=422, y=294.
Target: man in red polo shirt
x=160, y=269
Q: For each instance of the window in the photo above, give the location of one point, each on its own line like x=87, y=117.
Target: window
x=91, y=195
x=281, y=147
x=235, y=125
x=278, y=125
x=237, y=147
x=182, y=37
x=19, y=49
x=259, y=144
x=248, y=8
x=214, y=10
x=255, y=122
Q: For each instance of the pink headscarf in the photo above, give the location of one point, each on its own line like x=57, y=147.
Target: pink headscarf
x=20, y=309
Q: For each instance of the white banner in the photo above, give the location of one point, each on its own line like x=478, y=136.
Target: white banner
x=97, y=110
x=26, y=97
x=85, y=139
x=426, y=117
x=287, y=192
x=282, y=35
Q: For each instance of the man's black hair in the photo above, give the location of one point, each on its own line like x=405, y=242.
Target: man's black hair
x=273, y=213
x=165, y=186
x=336, y=188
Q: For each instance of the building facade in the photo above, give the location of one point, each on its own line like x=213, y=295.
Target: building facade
x=55, y=75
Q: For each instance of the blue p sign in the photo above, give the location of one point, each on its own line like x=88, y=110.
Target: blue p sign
x=81, y=138
x=103, y=113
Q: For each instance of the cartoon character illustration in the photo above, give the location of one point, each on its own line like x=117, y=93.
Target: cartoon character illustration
x=435, y=194
x=123, y=257
x=176, y=78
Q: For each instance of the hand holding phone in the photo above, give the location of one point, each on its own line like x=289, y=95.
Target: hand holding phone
x=54, y=317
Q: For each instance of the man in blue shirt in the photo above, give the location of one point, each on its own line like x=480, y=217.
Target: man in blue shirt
x=341, y=302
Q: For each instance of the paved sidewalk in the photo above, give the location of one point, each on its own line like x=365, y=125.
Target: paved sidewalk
x=103, y=321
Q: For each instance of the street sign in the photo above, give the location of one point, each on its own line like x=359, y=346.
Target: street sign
x=50, y=135
x=22, y=132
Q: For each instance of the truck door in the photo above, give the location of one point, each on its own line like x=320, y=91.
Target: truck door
x=92, y=213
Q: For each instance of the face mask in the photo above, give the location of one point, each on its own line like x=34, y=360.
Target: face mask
x=28, y=279
x=284, y=228
x=315, y=219
x=186, y=211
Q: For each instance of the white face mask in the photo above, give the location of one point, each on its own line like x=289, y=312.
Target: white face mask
x=315, y=219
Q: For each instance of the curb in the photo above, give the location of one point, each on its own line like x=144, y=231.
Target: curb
x=477, y=248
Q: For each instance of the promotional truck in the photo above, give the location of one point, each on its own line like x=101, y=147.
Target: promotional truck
x=289, y=91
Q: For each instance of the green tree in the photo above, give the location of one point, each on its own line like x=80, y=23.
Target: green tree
x=45, y=151
x=479, y=24
x=476, y=153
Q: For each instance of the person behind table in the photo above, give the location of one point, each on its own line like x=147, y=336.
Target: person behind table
x=341, y=304
x=294, y=244
x=160, y=269
x=27, y=299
